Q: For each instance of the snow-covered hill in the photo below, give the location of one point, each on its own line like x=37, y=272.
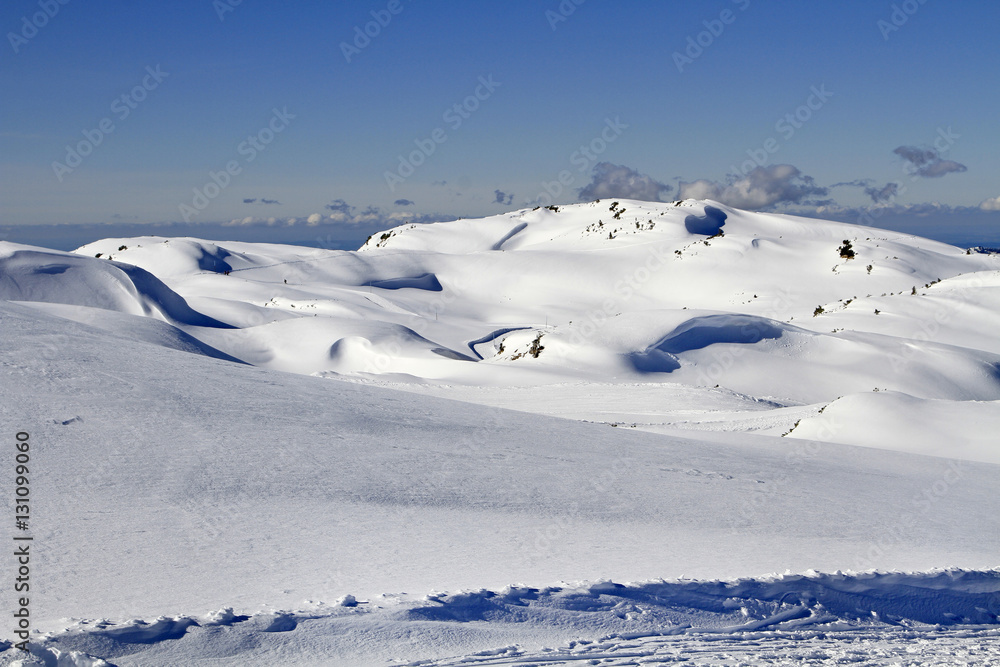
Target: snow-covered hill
x=219, y=440
x=615, y=297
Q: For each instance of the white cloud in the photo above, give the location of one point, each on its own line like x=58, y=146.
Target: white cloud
x=701, y=189
x=761, y=188
x=991, y=204
x=616, y=180
x=342, y=213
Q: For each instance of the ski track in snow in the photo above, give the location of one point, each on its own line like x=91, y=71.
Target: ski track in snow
x=881, y=647
x=945, y=618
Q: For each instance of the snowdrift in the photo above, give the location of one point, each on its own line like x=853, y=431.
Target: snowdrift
x=354, y=476
x=964, y=430
x=613, y=623
x=35, y=274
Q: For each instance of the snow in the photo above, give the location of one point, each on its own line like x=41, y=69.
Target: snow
x=107, y=285
x=965, y=430
x=935, y=618
x=437, y=447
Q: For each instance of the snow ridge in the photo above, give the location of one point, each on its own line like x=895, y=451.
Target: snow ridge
x=616, y=623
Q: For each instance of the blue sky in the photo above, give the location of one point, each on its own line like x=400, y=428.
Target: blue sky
x=765, y=105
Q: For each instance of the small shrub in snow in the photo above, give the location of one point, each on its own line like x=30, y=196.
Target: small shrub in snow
x=846, y=251
x=536, y=346
x=794, y=426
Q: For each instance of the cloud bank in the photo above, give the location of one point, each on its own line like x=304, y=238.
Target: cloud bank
x=991, y=204
x=339, y=212
x=927, y=162
x=618, y=181
x=762, y=188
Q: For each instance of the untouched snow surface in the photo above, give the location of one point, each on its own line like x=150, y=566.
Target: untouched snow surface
x=620, y=296
x=591, y=394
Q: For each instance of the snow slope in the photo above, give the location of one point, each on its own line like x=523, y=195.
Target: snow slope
x=590, y=393
x=51, y=276
x=621, y=296
x=219, y=485
x=899, y=421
